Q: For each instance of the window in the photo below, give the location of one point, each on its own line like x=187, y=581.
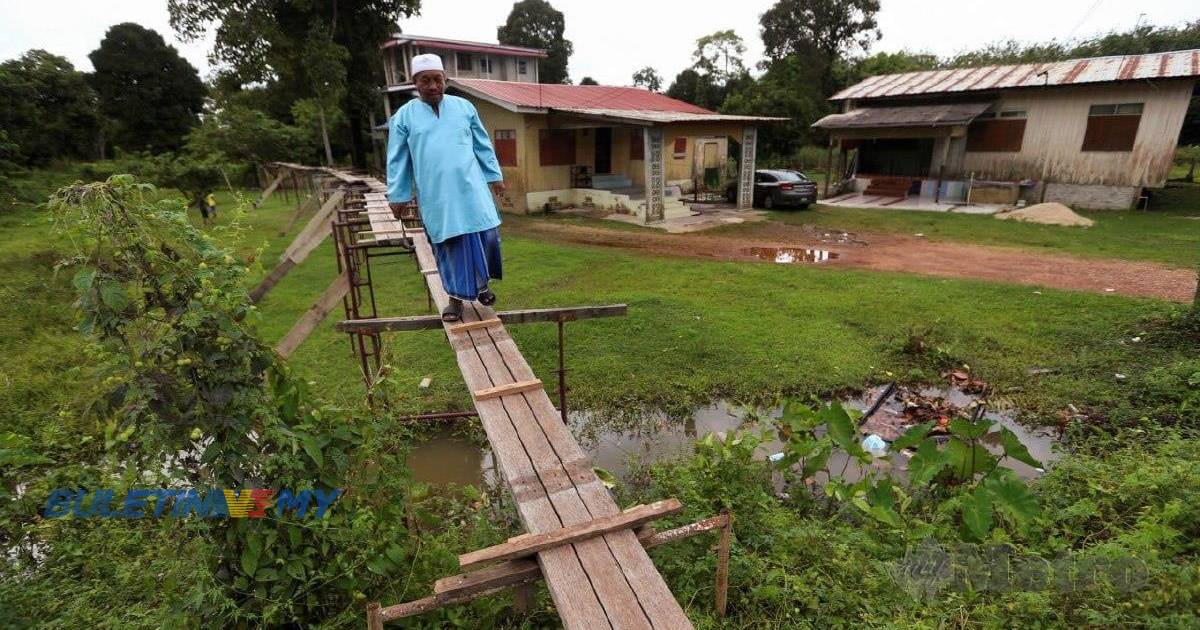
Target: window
x=680, y=147
x=1112, y=127
x=637, y=146
x=522, y=67
x=997, y=132
x=506, y=146
x=485, y=65
x=464, y=62
x=764, y=178
x=556, y=147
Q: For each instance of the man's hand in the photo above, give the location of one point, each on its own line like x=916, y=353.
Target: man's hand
x=498, y=188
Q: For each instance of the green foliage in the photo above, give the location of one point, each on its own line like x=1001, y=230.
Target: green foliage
x=719, y=56
x=150, y=95
x=243, y=135
x=648, y=78
x=47, y=110
x=537, y=24
x=790, y=87
x=588, y=81
x=260, y=43
x=819, y=30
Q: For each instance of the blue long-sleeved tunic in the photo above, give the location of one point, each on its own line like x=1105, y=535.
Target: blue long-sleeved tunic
x=450, y=159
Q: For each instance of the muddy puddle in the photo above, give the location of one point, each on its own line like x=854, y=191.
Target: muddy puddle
x=791, y=255
x=623, y=445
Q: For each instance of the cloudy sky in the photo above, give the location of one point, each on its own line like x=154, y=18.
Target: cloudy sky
x=613, y=38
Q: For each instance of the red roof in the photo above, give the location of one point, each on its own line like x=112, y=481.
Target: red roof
x=555, y=96
x=464, y=46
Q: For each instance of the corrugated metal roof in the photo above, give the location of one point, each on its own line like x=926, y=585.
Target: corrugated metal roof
x=909, y=116
x=1177, y=64
x=665, y=117
x=458, y=44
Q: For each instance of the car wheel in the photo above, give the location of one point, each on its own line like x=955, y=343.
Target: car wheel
x=769, y=201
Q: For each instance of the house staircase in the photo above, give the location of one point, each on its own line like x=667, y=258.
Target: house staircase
x=889, y=186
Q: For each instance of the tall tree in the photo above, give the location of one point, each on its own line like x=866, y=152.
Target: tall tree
x=151, y=95
x=828, y=29
x=648, y=78
x=264, y=41
x=719, y=55
x=47, y=109
x=536, y=24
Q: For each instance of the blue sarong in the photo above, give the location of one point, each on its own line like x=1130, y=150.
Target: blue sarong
x=467, y=261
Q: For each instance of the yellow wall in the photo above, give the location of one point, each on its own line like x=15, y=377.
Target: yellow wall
x=528, y=176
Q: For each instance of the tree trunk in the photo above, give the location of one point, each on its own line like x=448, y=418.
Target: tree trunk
x=325, y=136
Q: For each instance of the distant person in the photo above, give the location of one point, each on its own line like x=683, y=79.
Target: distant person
x=202, y=204
x=211, y=202
x=438, y=143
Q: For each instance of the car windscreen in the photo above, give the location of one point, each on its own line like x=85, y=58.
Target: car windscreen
x=790, y=176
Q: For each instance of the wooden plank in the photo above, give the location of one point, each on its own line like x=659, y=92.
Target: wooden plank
x=465, y=326
x=271, y=280
x=270, y=189
x=507, y=389
x=527, y=545
x=525, y=316
x=503, y=574
x=307, y=322
x=315, y=231
x=297, y=214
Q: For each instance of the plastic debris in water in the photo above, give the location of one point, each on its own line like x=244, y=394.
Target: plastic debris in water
x=875, y=445
x=775, y=457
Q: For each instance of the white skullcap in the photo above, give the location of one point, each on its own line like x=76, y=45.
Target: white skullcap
x=421, y=63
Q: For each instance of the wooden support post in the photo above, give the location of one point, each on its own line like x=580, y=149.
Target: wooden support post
x=374, y=620
x=523, y=594
x=527, y=316
x=530, y=544
x=313, y=316
x=722, y=589
x=504, y=390
x=828, y=166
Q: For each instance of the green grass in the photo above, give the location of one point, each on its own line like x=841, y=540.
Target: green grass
x=695, y=331
x=1169, y=233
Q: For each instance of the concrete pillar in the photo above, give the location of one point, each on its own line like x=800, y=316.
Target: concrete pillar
x=746, y=177
x=656, y=174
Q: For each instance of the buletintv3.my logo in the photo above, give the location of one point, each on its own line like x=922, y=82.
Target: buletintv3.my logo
x=185, y=502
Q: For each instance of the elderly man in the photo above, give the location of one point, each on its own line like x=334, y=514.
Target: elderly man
x=438, y=143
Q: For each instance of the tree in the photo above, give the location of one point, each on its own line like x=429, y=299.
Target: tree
x=832, y=27
x=588, y=81
x=536, y=24
x=824, y=29
x=264, y=41
x=719, y=55
x=790, y=87
x=47, y=109
x=243, y=135
x=151, y=95
x=648, y=78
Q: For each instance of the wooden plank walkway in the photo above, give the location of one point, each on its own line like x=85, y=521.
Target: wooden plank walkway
x=603, y=582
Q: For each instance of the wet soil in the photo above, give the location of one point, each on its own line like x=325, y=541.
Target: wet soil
x=893, y=252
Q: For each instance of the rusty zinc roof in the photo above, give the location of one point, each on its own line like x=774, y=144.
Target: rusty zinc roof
x=908, y=116
x=1176, y=64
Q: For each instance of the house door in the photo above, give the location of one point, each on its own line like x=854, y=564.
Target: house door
x=603, y=150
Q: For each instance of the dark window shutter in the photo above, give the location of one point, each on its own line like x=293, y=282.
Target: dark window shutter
x=995, y=135
x=556, y=147
x=506, y=147
x=1110, y=133
x=637, y=145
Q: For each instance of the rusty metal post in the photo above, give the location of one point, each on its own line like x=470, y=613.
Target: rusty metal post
x=562, y=375
x=828, y=166
x=374, y=620
x=722, y=590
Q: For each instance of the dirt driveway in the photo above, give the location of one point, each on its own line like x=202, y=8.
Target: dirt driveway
x=893, y=252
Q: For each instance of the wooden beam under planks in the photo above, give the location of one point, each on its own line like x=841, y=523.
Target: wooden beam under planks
x=529, y=544
x=526, y=316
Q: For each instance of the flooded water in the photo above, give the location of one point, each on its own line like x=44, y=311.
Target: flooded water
x=791, y=255
x=623, y=445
